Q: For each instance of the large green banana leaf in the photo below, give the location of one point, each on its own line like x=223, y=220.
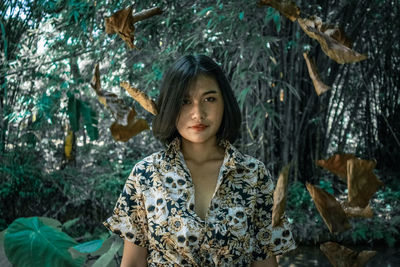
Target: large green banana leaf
x=29, y=242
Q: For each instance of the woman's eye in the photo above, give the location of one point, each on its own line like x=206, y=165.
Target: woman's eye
x=185, y=102
x=210, y=99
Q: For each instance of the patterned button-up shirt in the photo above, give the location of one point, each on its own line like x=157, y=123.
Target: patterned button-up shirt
x=156, y=211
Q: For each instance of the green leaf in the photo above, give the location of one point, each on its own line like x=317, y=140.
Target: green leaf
x=89, y=247
x=242, y=97
x=29, y=242
x=241, y=15
x=51, y=222
x=209, y=23
x=69, y=223
x=205, y=10
x=90, y=120
x=73, y=112
x=106, y=258
x=3, y=37
x=327, y=186
x=277, y=20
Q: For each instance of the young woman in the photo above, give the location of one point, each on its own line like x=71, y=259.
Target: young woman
x=198, y=202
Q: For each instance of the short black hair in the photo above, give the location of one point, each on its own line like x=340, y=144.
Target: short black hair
x=176, y=81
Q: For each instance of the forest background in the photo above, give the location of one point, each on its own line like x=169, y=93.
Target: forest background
x=49, y=50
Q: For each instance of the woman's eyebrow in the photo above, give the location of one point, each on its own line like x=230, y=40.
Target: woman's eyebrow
x=210, y=92
x=205, y=93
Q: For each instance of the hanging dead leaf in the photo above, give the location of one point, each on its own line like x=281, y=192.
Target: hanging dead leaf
x=340, y=256
x=140, y=97
x=118, y=109
x=319, y=86
x=280, y=196
x=68, y=145
x=329, y=209
x=336, y=33
x=122, y=23
x=333, y=48
x=282, y=95
x=286, y=7
x=95, y=82
x=124, y=133
x=337, y=164
x=362, y=183
x=357, y=211
x=126, y=124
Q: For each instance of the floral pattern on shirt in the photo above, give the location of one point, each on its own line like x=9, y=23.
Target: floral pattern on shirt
x=156, y=210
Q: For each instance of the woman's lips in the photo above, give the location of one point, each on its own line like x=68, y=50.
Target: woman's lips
x=199, y=127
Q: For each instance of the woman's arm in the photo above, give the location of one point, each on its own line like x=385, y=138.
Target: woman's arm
x=270, y=262
x=133, y=256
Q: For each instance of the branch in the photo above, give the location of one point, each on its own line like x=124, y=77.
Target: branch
x=75, y=54
x=145, y=14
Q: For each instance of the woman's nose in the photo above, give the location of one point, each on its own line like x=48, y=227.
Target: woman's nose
x=197, y=111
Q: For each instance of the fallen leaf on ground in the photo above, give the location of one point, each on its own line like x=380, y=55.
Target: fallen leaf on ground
x=320, y=87
x=280, y=196
x=329, y=209
x=340, y=256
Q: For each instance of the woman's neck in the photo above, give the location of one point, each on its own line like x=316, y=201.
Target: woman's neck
x=202, y=152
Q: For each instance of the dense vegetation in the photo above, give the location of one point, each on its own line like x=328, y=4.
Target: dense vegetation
x=48, y=53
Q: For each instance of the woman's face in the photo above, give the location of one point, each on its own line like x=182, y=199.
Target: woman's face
x=201, y=112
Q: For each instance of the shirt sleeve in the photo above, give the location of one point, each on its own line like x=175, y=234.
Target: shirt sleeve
x=129, y=216
x=269, y=240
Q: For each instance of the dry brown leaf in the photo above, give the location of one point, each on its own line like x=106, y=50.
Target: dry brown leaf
x=68, y=145
x=340, y=256
x=319, y=86
x=337, y=164
x=333, y=48
x=364, y=256
x=140, y=97
x=118, y=109
x=357, y=211
x=124, y=133
x=280, y=196
x=329, y=209
x=95, y=82
x=286, y=7
x=122, y=23
x=126, y=124
x=362, y=183
x=336, y=33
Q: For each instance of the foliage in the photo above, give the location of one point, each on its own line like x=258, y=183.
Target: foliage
x=29, y=242
x=309, y=227
x=40, y=241
x=48, y=53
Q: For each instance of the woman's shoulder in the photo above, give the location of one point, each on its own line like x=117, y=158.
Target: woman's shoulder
x=149, y=162
x=245, y=159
